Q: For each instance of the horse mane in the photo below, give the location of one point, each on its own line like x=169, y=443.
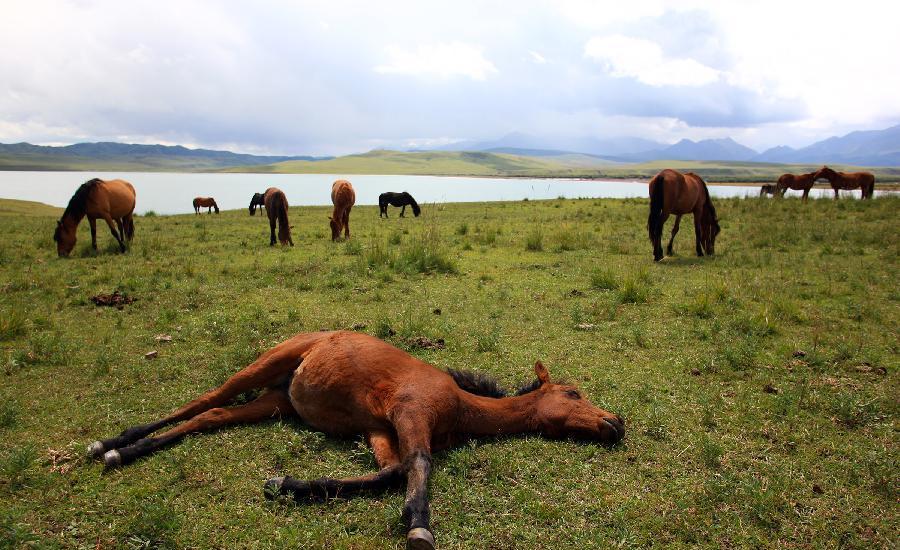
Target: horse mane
x=78, y=203
x=487, y=386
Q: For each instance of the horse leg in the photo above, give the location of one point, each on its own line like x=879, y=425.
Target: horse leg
x=806, y=194
x=390, y=474
x=112, y=229
x=414, y=435
x=271, y=367
x=93, y=224
x=403, y=211
x=267, y=405
x=669, y=250
x=698, y=231
x=272, y=231
x=346, y=221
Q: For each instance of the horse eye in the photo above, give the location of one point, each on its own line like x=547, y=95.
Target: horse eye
x=573, y=394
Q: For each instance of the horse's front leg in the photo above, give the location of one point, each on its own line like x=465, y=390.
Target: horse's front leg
x=403, y=211
x=698, y=231
x=93, y=224
x=347, y=225
x=112, y=228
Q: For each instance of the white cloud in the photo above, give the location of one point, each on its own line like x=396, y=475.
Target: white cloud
x=444, y=60
x=627, y=57
x=536, y=57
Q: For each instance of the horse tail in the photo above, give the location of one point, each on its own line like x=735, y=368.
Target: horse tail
x=280, y=205
x=654, y=220
x=414, y=204
x=128, y=226
x=216, y=206
x=710, y=218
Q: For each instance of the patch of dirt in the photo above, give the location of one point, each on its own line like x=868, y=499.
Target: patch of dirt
x=422, y=342
x=60, y=460
x=116, y=300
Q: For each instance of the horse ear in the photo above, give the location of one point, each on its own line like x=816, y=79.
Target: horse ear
x=541, y=371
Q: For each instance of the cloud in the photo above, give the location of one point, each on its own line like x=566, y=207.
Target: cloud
x=443, y=60
x=536, y=57
x=626, y=57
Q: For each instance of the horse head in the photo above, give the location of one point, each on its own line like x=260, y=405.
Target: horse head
x=335, y=228
x=64, y=238
x=824, y=172
x=562, y=411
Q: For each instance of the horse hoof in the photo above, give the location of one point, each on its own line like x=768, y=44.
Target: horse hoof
x=272, y=488
x=419, y=539
x=95, y=449
x=112, y=459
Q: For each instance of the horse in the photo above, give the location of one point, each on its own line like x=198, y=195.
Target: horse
x=864, y=181
x=112, y=200
x=672, y=192
x=207, y=202
x=397, y=199
x=277, y=209
x=345, y=383
x=257, y=200
x=343, y=197
x=803, y=182
x=768, y=189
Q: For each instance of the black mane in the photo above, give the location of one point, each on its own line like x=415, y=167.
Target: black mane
x=482, y=384
x=78, y=202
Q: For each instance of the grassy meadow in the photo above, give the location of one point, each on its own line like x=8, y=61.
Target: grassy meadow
x=760, y=386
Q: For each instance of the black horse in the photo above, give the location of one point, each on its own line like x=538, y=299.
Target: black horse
x=257, y=200
x=397, y=199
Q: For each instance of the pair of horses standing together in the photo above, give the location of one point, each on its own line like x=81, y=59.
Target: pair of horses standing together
x=343, y=197
x=864, y=181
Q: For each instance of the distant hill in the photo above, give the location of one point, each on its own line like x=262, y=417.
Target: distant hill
x=725, y=149
x=613, y=148
x=126, y=157
x=871, y=148
x=12, y=207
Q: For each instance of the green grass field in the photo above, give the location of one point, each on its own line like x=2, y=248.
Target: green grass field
x=760, y=386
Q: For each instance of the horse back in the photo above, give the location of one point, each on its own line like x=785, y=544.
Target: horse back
x=115, y=198
x=342, y=194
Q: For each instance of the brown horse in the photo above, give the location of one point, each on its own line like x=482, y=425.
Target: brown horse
x=672, y=192
x=277, y=209
x=208, y=202
x=803, y=182
x=112, y=200
x=864, y=181
x=343, y=197
x=347, y=383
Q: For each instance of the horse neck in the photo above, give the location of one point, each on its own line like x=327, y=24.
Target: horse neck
x=71, y=219
x=491, y=416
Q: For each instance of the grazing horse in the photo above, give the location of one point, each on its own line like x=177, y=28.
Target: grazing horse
x=397, y=199
x=672, y=192
x=345, y=383
x=864, y=181
x=343, y=197
x=257, y=200
x=803, y=182
x=209, y=202
x=277, y=209
x=768, y=189
x=112, y=200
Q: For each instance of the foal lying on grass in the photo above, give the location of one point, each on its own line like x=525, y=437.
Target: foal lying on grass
x=347, y=383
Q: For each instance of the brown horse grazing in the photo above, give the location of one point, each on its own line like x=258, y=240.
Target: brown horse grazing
x=768, y=189
x=208, y=202
x=112, y=200
x=343, y=197
x=803, y=182
x=672, y=192
x=864, y=181
x=347, y=383
x=277, y=209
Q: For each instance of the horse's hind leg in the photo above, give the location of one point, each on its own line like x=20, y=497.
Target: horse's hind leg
x=269, y=404
x=669, y=251
x=390, y=474
x=346, y=220
x=112, y=228
x=93, y=224
x=272, y=231
x=403, y=211
x=271, y=367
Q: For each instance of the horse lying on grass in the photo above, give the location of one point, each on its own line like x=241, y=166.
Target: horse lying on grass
x=347, y=383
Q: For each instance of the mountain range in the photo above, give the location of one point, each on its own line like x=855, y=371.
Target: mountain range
x=124, y=156
x=864, y=148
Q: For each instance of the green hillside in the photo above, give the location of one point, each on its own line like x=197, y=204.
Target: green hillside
x=10, y=207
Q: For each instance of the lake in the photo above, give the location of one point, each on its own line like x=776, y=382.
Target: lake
x=172, y=193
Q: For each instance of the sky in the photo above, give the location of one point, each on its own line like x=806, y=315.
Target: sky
x=332, y=77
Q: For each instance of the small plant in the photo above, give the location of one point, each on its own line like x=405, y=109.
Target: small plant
x=383, y=329
x=352, y=248
x=711, y=453
x=462, y=229
x=635, y=290
x=534, y=241
x=150, y=214
x=13, y=324
x=604, y=279
x=488, y=341
x=9, y=413
x=15, y=465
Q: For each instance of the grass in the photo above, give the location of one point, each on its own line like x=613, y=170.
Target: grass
x=747, y=379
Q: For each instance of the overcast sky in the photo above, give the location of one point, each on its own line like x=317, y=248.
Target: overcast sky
x=337, y=77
